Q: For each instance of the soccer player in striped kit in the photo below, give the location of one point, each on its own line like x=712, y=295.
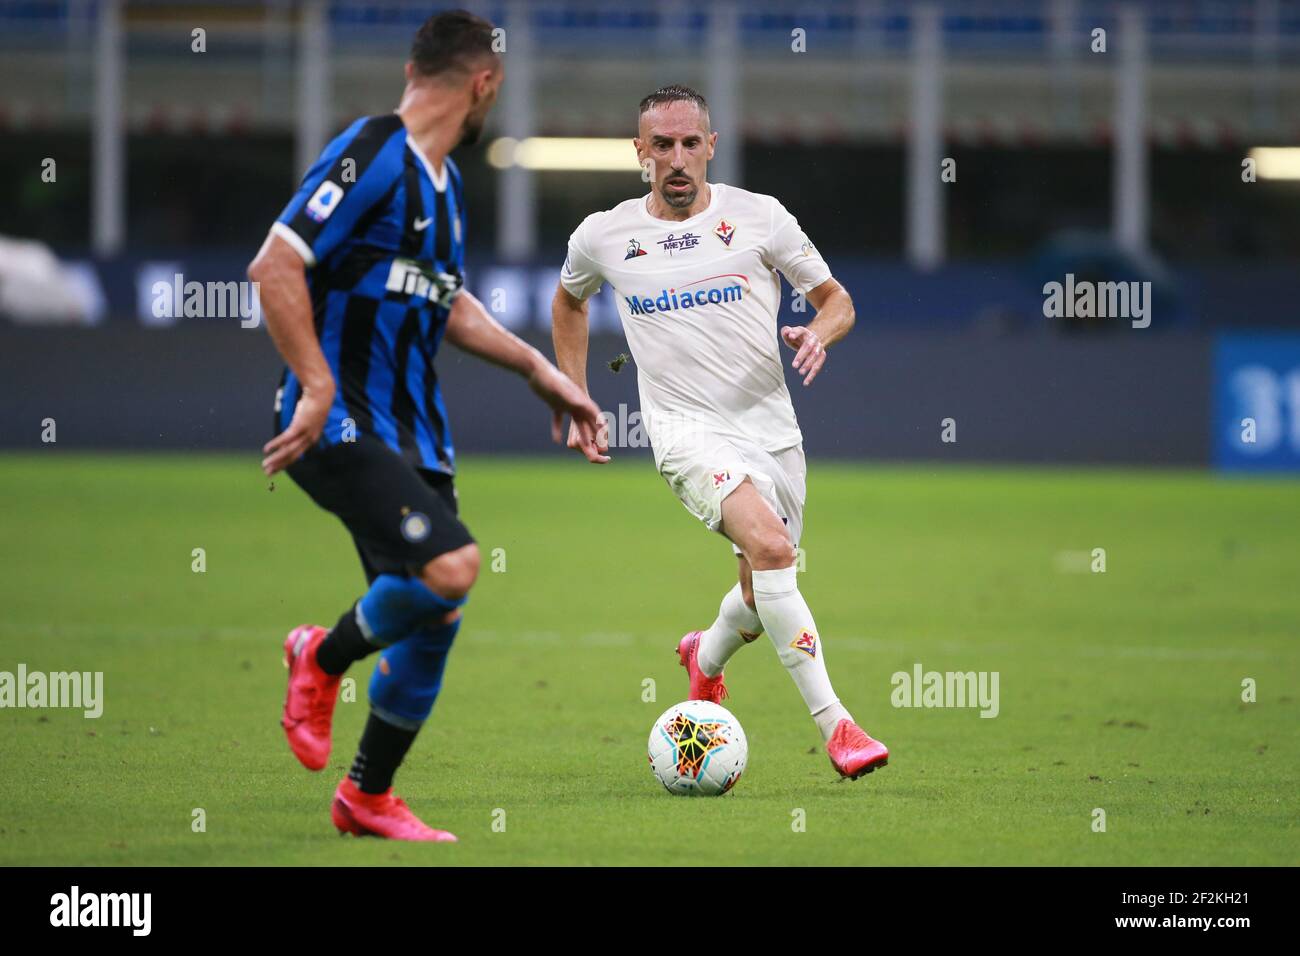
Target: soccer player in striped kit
x=361, y=280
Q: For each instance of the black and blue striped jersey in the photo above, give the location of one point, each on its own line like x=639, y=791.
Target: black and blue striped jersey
x=382, y=234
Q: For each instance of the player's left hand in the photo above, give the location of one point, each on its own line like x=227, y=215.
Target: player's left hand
x=810, y=354
x=561, y=393
x=309, y=417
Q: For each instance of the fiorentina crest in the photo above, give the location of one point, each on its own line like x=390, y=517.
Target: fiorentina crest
x=725, y=231
x=806, y=642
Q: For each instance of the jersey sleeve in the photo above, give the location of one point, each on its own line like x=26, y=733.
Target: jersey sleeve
x=351, y=176
x=792, y=253
x=580, y=276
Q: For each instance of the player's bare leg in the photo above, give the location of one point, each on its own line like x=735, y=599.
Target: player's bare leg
x=749, y=521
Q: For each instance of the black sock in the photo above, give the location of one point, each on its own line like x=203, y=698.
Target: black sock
x=344, y=645
x=383, y=748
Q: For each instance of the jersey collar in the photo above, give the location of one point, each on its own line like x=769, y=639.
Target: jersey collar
x=715, y=192
x=439, y=181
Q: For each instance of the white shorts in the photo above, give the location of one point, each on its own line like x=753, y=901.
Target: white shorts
x=702, y=469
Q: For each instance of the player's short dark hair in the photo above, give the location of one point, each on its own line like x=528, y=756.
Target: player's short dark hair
x=675, y=93
x=455, y=40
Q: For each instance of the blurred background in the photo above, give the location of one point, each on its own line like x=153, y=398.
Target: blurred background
x=949, y=159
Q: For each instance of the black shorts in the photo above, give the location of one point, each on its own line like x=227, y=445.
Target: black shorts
x=401, y=517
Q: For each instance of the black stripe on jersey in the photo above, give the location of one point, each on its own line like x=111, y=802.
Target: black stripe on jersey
x=403, y=407
x=355, y=266
x=361, y=150
x=412, y=240
x=277, y=407
x=354, y=359
x=442, y=239
x=431, y=410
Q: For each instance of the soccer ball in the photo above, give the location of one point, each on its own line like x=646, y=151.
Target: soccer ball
x=698, y=749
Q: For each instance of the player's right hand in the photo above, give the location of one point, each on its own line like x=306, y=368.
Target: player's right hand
x=309, y=417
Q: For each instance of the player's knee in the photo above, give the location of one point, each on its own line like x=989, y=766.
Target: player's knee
x=772, y=551
x=451, y=575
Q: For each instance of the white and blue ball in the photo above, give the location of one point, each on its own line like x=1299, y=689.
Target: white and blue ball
x=698, y=749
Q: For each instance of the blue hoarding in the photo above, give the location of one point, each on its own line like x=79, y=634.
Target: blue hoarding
x=1256, y=415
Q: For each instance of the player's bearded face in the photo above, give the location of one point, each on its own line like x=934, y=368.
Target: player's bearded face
x=679, y=189
x=677, y=140
x=472, y=128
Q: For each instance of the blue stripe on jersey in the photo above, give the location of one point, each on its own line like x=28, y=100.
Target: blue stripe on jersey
x=331, y=343
x=288, y=400
x=358, y=210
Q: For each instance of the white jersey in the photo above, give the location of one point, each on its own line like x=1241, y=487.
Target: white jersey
x=699, y=301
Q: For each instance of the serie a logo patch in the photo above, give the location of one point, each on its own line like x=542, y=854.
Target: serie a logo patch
x=324, y=200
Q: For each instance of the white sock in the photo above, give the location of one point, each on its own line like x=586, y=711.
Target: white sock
x=736, y=626
x=789, y=623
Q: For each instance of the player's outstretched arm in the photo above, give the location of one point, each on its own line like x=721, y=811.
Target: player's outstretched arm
x=569, y=334
x=833, y=321
x=469, y=327
x=286, y=304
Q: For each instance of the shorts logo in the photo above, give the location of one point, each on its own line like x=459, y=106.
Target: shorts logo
x=415, y=527
x=324, y=200
x=720, y=478
x=633, y=250
x=806, y=642
x=725, y=231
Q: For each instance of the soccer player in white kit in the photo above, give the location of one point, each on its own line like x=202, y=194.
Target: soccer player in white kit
x=694, y=269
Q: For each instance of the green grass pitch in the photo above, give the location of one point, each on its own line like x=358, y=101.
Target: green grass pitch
x=1119, y=690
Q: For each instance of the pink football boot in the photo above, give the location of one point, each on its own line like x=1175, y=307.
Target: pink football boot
x=309, y=703
x=382, y=815
x=853, y=753
x=703, y=687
